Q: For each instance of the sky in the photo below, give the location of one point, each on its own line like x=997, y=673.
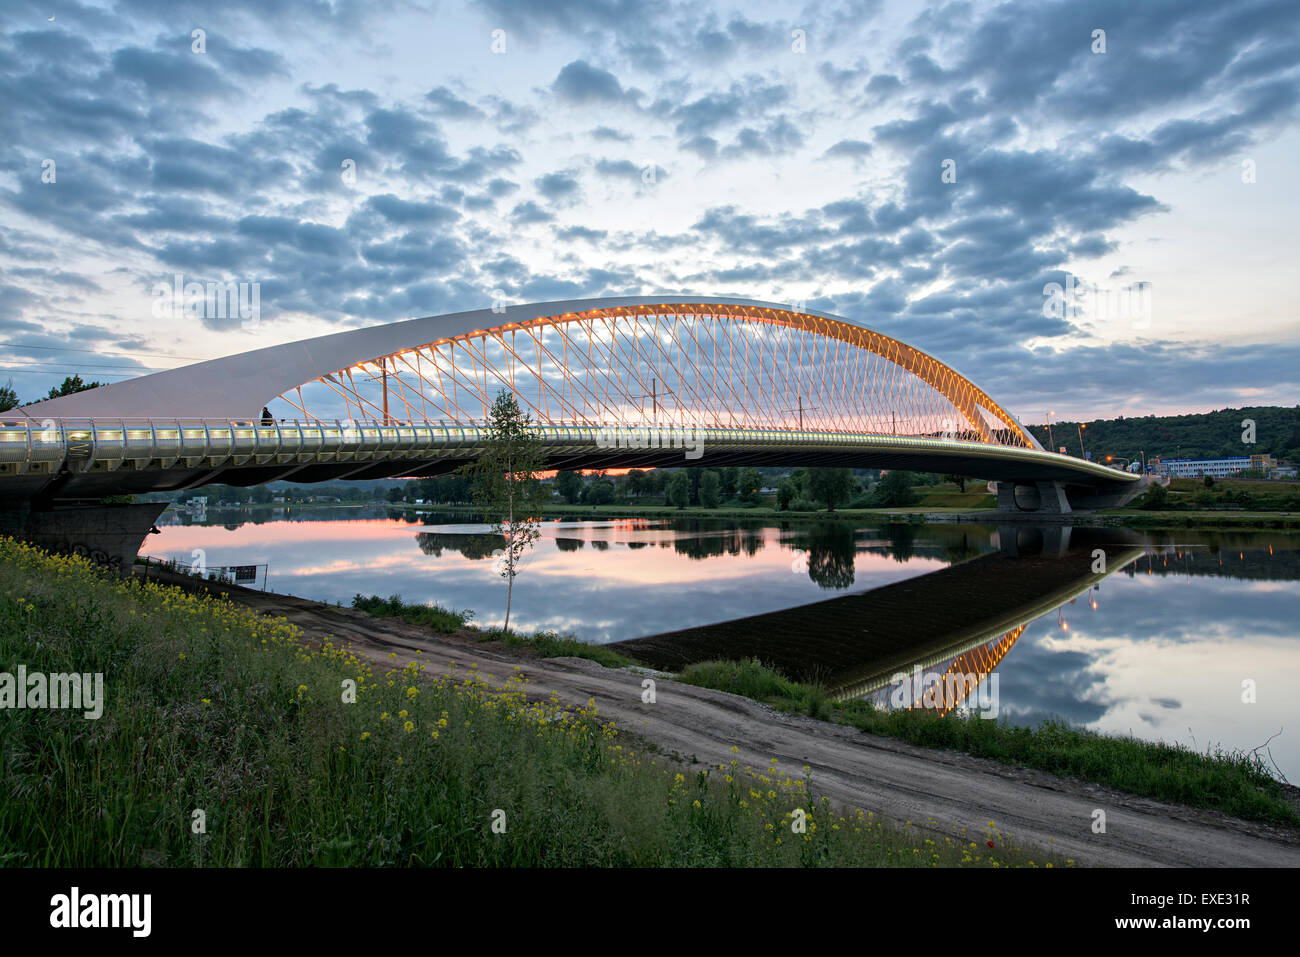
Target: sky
x=928, y=170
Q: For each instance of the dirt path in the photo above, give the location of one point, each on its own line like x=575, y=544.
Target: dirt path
x=889, y=777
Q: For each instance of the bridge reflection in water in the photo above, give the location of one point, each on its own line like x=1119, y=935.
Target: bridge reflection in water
x=957, y=622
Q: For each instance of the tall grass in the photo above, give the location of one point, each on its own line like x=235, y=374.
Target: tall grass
x=543, y=644
x=213, y=708
x=429, y=616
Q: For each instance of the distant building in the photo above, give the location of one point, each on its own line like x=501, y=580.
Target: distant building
x=1216, y=468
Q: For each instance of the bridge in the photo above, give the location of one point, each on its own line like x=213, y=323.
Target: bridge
x=609, y=383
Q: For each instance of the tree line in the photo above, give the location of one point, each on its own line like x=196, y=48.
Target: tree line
x=803, y=489
x=1208, y=435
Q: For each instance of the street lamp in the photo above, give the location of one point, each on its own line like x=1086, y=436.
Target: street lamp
x=1050, y=443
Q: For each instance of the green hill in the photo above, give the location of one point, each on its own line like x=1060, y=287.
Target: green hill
x=1200, y=436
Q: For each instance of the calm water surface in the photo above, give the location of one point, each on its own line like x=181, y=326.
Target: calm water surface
x=1157, y=645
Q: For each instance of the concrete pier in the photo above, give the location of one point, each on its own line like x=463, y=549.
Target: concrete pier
x=109, y=535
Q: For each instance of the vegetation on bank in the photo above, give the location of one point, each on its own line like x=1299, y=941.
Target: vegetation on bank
x=1208, y=494
x=543, y=644
x=729, y=487
x=433, y=615
x=1158, y=519
x=1134, y=518
x=1232, y=782
x=227, y=740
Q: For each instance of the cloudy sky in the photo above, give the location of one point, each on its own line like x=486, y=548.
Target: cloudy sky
x=924, y=169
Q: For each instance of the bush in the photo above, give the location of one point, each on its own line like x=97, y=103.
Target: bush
x=1156, y=498
x=429, y=616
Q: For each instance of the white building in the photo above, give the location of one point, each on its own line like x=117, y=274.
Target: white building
x=1216, y=468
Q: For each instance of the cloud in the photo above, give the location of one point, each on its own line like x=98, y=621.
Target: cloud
x=448, y=105
x=356, y=199
x=850, y=149
x=529, y=212
x=580, y=82
x=559, y=186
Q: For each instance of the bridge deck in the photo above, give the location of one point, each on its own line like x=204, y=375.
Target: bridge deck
x=90, y=458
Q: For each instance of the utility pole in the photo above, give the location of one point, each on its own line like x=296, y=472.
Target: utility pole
x=799, y=411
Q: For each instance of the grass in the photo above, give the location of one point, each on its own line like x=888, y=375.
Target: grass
x=751, y=679
x=1183, y=519
x=543, y=644
x=550, y=644
x=1235, y=783
x=428, y=616
x=301, y=754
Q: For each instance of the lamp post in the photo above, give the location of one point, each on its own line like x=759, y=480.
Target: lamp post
x=1050, y=444
x=1081, y=428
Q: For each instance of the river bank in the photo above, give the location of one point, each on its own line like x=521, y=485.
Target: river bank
x=1131, y=518
x=701, y=727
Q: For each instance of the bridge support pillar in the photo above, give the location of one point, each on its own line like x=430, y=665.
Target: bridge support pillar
x=1039, y=498
x=1052, y=499
x=109, y=535
x=1007, y=497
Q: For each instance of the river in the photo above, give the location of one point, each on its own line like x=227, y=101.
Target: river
x=1188, y=636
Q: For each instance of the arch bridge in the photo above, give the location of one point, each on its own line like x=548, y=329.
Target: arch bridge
x=612, y=382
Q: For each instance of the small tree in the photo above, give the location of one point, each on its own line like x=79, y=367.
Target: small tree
x=710, y=483
x=895, y=489
x=785, y=493
x=1157, y=497
x=748, y=484
x=599, y=491
x=679, y=490
x=507, y=486
x=831, y=486
x=8, y=397
x=727, y=481
x=569, y=485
